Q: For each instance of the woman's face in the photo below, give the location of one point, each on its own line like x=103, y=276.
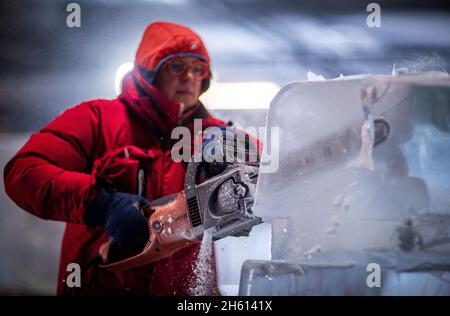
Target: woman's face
x=181, y=80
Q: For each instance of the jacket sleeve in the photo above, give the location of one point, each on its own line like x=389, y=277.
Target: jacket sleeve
x=48, y=176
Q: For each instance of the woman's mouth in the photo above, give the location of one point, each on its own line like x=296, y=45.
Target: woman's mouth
x=184, y=92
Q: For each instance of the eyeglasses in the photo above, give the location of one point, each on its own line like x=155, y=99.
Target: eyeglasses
x=178, y=66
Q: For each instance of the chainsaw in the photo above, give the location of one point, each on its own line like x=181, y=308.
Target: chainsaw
x=220, y=206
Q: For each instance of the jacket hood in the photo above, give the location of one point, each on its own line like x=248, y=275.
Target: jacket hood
x=162, y=41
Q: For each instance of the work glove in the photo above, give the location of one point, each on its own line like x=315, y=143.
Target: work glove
x=226, y=145
x=122, y=217
x=213, y=154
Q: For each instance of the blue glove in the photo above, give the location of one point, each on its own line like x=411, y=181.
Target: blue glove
x=122, y=217
x=212, y=148
x=226, y=145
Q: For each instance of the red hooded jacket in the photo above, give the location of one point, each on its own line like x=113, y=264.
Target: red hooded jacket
x=54, y=175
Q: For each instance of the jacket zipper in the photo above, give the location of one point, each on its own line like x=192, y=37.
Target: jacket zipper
x=141, y=182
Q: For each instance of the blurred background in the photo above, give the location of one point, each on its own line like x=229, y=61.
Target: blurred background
x=257, y=46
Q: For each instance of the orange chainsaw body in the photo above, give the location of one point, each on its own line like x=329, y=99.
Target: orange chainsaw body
x=170, y=231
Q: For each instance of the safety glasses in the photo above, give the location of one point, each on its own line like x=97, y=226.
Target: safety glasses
x=178, y=67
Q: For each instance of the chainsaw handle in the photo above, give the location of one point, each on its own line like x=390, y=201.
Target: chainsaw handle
x=170, y=231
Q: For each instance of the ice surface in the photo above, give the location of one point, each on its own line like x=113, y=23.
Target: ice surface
x=231, y=252
x=321, y=188
x=268, y=278
x=335, y=192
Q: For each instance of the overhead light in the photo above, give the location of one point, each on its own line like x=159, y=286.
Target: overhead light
x=120, y=73
x=240, y=95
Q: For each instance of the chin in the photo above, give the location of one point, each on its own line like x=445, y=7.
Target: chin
x=188, y=107
x=188, y=103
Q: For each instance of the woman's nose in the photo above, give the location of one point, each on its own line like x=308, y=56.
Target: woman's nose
x=188, y=74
